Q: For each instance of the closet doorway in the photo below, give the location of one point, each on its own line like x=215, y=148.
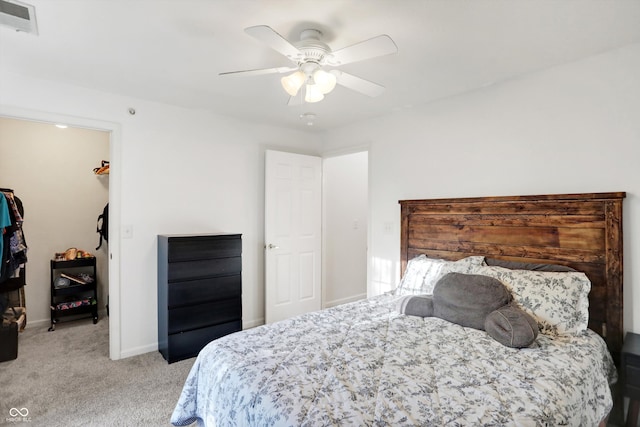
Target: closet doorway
x=50, y=168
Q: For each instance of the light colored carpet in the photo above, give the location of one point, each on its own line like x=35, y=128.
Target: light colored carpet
x=65, y=378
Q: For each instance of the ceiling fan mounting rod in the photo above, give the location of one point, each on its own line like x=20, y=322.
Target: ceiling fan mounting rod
x=310, y=34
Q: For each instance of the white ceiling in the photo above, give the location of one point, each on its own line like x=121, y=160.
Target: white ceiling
x=171, y=51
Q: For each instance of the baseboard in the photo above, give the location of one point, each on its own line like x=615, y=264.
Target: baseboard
x=252, y=323
x=37, y=323
x=341, y=301
x=248, y=324
x=102, y=316
x=136, y=351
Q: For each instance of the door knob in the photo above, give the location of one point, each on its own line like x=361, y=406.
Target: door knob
x=272, y=246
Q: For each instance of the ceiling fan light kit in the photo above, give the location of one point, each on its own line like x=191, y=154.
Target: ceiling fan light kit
x=325, y=81
x=318, y=84
x=293, y=82
x=310, y=55
x=313, y=94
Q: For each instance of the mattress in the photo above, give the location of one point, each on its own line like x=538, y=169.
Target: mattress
x=365, y=364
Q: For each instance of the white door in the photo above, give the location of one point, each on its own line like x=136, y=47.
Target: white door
x=293, y=197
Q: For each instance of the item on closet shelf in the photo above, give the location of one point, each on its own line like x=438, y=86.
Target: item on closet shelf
x=103, y=169
x=74, y=304
x=81, y=278
x=71, y=254
x=62, y=282
x=85, y=277
x=84, y=254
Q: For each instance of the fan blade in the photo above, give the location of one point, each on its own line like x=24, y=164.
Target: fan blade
x=267, y=35
x=260, y=71
x=358, y=84
x=372, y=48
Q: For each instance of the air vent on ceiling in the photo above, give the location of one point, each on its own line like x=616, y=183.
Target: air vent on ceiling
x=18, y=15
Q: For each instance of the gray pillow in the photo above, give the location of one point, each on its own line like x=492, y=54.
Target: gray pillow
x=467, y=299
x=416, y=305
x=511, y=326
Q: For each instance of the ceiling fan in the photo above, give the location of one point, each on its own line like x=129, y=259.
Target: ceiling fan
x=311, y=56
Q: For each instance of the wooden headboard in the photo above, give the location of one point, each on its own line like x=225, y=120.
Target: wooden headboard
x=582, y=231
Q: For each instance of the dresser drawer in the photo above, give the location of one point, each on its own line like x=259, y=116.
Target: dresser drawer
x=632, y=392
x=632, y=374
x=631, y=360
x=188, y=344
x=203, y=290
x=200, y=315
x=204, y=247
x=186, y=270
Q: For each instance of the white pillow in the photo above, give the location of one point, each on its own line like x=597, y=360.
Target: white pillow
x=423, y=273
x=558, y=301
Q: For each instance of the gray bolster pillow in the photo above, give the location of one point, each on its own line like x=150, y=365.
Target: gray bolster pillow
x=511, y=326
x=467, y=299
x=416, y=305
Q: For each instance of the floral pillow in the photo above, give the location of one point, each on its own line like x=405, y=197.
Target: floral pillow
x=423, y=273
x=558, y=301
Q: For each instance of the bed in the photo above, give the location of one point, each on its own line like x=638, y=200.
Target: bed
x=367, y=363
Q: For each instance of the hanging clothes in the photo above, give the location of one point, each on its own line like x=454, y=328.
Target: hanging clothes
x=14, y=245
x=5, y=223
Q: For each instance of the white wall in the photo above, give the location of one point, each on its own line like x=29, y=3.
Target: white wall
x=345, y=209
x=51, y=171
x=571, y=129
x=181, y=171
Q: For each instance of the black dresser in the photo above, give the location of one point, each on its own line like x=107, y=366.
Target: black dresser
x=199, y=291
x=631, y=375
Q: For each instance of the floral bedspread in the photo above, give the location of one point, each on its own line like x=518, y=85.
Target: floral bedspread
x=364, y=364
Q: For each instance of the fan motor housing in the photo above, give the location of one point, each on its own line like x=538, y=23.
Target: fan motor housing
x=313, y=49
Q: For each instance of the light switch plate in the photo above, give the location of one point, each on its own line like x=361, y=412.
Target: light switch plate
x=127, y=231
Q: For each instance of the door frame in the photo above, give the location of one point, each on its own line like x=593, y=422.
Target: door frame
x=115, y=177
